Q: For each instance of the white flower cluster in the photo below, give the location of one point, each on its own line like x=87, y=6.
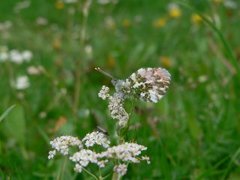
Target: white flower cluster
x=35, y=70
x=115, y=105
x=104, y=92
x=15, y=56
x=123, y=153
x=127, y=152
x=21, y=83
x=96, y=137
x=84, y=157
x=117, y=110
x=62, y=144
x=120, y=169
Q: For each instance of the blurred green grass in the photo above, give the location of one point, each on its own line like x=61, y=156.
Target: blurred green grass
x=193, y=133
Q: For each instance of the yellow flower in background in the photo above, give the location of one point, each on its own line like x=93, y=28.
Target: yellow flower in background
x=196, y=19
x=160, y=22
x=217, y=1
x=59, y=5
x=111, y=61
x=165, y=61
x=57, y=43
x=174, y=10
x=126, y=23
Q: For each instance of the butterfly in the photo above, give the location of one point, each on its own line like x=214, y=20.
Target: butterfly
x=147, y=84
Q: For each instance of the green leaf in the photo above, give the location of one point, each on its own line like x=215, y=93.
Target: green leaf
x=4, y=114
x=15, y=125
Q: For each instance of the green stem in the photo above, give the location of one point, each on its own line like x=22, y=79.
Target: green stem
x=91, y=174
x=62, y=169
x=86, y=6
x=116, y=176
x=235, y=155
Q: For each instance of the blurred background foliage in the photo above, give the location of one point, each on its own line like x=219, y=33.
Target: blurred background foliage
x=192, y=133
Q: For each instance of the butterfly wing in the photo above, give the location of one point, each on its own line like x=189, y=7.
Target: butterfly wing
x=149, y=84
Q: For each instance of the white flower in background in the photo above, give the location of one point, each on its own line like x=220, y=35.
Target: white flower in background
x=231, y=4
x=27, y=55
x=41, y=21
x=88, y=50
x=70, y=1
x=35, y=70
x=15, y=56
x=96, y=137
x=202, y=78
x=104, y=92
x=19, y=57
x=62, y=144
x=3, y=53
x=120, y=169
x=21, y=83
x=3, y=56
x=4, y=26
x=104, y=2
x=110, y=22
x=22, y=5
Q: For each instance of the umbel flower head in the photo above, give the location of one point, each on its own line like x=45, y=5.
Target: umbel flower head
x=124, y=153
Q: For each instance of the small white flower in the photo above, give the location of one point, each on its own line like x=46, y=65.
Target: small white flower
x=27, y=55
x=230, y=4
x=51, y=154
x=88, y=50
x=120, y=169
x=35, y=70
x=22, y=5
x=41, y=21
x=16, y=57
x=202, y=78
x=63, y=143
x=70, y=1
x=21, y=83
x=117, y=110
x=146, y=158
x=78, y=168
x=96, y=137
x=3, y=56
x=4, y=26
x=104, y=2
x=84, y=157
x=104, y=92
x=172, y=6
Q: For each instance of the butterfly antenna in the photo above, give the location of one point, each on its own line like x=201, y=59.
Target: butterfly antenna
x=104, y=72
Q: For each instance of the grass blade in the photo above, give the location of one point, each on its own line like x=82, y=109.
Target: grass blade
x=4, y=115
